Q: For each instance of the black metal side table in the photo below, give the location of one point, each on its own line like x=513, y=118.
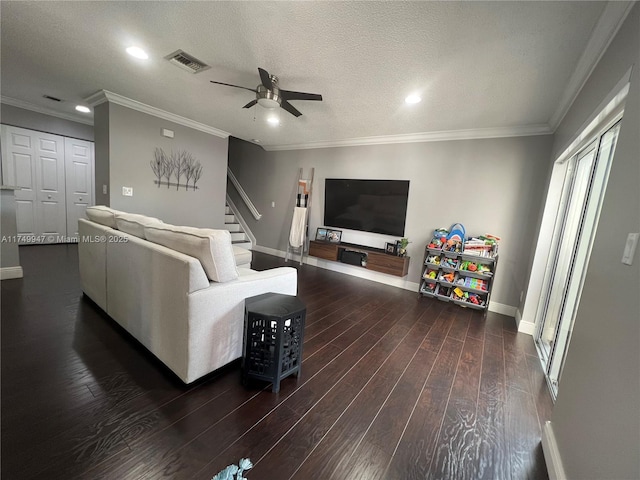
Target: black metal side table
x=273, y=337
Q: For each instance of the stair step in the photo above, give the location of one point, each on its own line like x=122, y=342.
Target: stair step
x=233, y=227
x=238, y=236
x=227, y=210
x=242, y=244
x=229, y=218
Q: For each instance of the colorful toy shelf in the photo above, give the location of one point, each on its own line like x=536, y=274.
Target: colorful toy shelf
x=459, y=276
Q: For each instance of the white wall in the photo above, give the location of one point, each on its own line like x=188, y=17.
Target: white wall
x=596, y=419
x=133, y=136
x=491, y=186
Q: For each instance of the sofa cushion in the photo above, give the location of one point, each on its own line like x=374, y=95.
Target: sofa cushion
x=103, y=215
x=134, y=224
x=242, y=256
x=212, y=247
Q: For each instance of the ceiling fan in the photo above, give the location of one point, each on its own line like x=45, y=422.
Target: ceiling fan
x=269, y=95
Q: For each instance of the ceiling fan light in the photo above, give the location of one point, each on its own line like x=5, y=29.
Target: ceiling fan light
x=413, y=98
x=273, y=120
x=268, y=103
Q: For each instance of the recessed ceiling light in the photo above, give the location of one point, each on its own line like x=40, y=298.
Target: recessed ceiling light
x=413, y=99
x=83, y=109
x=273, y=120
x=137, y=52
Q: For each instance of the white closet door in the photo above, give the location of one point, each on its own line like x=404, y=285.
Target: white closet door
x=79, y=181
x=50, y=176
x=19, y=170
x=34, y=161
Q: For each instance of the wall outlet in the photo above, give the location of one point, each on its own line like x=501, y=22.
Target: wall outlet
x=104, y=189
x=127, y=191
x=273, y=204
x=630, y=248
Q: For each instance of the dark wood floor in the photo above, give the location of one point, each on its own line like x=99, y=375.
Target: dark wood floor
x=393, y=387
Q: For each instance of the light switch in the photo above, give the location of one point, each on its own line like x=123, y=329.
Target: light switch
x=104, y=189
x=273, y=204
x=630, y=248
x=127, y=191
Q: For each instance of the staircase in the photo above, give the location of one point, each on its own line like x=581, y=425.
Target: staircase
x=238, y=237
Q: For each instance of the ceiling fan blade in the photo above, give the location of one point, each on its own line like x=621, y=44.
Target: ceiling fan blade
x=265, y=78
x=290, y=108
x=289, y=95
x=236, y=86
x=250, y=104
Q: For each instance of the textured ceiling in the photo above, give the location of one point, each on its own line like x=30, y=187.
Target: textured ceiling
x=476, y=64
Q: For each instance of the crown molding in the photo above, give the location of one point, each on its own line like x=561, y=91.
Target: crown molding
x=14, y=102
x=105, y=96
x=612, y=18
x=472, y=134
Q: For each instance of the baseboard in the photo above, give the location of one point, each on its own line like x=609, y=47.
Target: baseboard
x=269, y=251
x=400, y=282
x=352, y=270
x=526, y=327
x=502, y=309
x=518, y=316
x=552, y=454
x=7, y=273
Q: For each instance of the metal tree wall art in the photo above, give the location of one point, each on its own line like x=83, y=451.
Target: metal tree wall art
x=181, y=164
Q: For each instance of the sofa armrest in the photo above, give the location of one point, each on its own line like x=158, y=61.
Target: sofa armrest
x=92, y=259
x=216, y=316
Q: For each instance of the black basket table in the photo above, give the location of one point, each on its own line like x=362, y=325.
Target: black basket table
x=273, y=336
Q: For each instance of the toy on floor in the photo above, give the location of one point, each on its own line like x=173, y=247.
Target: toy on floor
x=429, y=287
x=433, y=259
x=449, y=262
x=484, y=269
x=453, y=246
x=444, y=291
x=447, y=277
x=469, y=282
x=430, y=274
x=439, y=238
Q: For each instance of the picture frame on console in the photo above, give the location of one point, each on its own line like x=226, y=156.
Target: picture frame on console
x=390, y=248
x=321, y=234
x=334, y=236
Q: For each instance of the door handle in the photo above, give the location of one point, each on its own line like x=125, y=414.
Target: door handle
x=80, y=199
x=49, y=197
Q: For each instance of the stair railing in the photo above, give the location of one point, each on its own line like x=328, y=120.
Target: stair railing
x=245, y=198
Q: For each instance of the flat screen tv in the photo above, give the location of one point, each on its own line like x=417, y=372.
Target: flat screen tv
x=377, y=206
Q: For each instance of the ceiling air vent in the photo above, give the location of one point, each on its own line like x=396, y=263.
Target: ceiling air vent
x=49, y=97
x=187, y=62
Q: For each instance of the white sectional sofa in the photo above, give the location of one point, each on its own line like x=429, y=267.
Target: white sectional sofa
x=188, y=310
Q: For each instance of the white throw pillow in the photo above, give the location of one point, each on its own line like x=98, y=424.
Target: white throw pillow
x=103, y=215
x=134, y=224
x=212, y=247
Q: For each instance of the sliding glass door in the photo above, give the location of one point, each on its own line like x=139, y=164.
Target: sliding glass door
x=580, y=201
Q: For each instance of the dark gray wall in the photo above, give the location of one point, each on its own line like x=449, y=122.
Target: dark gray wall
x=19, y=117
x=596, y=417
x=491, y=186
x=133, y=136
x=101, y=169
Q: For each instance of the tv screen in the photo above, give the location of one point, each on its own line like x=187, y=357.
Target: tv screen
x=378, y=206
